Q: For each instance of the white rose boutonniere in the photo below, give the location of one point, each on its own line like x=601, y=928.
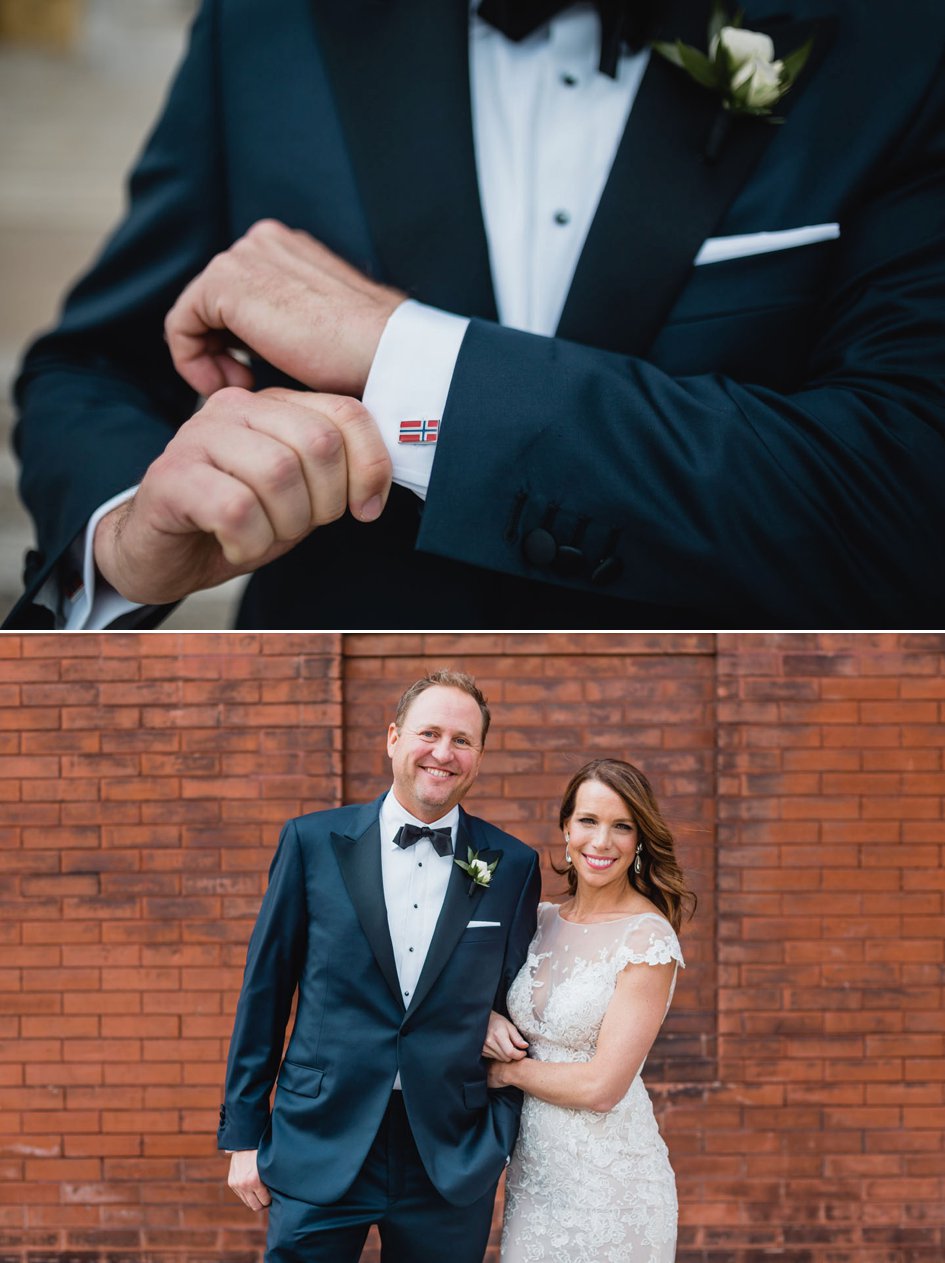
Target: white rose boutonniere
x=740, y=65
x=479, y=871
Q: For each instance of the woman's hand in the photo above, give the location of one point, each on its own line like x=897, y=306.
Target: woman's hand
x=503, y=1041
x=500, y=1074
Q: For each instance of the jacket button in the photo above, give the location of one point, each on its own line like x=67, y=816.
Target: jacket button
x=569, y=561
x=540, y=547
x=607, y=571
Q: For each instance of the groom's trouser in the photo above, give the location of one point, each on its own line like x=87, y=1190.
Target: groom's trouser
x=392, y=1190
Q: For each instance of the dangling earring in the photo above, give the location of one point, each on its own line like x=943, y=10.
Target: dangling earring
x=567, y=849
x=638, y=863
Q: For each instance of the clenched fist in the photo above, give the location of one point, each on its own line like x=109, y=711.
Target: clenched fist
x=242, y=482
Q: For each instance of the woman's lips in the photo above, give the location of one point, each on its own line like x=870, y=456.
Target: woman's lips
x=599, y=862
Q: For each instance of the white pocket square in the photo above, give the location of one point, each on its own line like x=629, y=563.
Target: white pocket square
x=478, y=925
x=718, y=249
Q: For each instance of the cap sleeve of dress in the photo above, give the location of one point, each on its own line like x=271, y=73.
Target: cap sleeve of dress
x=649, y=940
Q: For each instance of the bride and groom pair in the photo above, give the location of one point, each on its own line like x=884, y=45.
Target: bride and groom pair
x=410, y=929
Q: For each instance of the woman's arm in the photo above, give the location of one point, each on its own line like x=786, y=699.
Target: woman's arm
x=630, y=1026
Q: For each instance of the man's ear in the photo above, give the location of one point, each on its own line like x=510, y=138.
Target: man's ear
x=392, y=737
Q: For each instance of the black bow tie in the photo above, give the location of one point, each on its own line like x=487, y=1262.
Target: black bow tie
x=442, y=839
x=621, y=22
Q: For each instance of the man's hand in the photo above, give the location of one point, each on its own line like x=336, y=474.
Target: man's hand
x=245, y=1182
x=242, y=482
x=285, y=296
x=503, y=1041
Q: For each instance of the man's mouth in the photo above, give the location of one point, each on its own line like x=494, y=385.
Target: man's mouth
x=439, y=773
x=598, y=862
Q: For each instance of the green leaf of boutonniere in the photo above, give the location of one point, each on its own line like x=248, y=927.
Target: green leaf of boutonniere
x=794, y=62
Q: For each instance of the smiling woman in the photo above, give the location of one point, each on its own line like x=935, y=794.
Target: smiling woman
x=608, y=807
x=590, y=1179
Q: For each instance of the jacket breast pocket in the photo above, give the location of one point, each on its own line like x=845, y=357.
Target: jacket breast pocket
x=299, y=1079
x=755, y=283
x=483, y=934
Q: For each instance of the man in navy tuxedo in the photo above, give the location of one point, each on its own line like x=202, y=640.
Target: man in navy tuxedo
x=381, y=1112
x=683, y=373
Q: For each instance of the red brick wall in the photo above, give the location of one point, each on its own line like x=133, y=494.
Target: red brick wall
x=824, y=1138
x=142, y=782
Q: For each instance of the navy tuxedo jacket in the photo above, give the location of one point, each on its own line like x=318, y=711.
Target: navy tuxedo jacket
x=323, y=927
x=751, y=442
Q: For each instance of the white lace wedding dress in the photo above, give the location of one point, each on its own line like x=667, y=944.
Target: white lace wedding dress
x=585, y=1187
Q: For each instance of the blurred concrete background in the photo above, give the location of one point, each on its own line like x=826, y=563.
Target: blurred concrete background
x=80, y=83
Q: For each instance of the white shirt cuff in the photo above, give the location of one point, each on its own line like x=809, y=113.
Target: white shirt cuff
x=96, y=604
x=409, y=380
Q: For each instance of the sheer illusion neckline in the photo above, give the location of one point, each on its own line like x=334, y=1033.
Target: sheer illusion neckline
x=630, y=916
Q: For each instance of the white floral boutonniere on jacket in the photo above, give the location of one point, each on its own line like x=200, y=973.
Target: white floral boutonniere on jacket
x=740, y=65
x=479, y=871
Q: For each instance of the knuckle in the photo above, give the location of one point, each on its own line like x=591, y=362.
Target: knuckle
x=324, y=445
x=281, y=471
x=220, y=263
x=237, y=511
x=264, y=228
x=346, y=411
x=229, y=399
x=376, y=471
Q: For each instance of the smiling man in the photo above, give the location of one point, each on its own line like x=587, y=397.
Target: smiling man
x=382, y=1114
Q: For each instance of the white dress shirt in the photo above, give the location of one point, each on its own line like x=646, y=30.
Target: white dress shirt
x=415, y=880
x=546, y=126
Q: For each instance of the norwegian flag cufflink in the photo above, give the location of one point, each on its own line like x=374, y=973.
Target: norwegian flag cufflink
x=421, y=430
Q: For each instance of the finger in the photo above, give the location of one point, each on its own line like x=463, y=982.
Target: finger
x=206, y=499
x=193, y=337
x=368, y=463
x=317, y=442
x=271, y=468
x=509, y=1051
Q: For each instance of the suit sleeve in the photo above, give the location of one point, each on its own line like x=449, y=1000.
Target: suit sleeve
x=521, y=933
x=99, y=393
x=822, y=502
x=274, y=963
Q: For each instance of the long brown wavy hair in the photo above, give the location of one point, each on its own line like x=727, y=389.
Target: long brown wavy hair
x=660, y=879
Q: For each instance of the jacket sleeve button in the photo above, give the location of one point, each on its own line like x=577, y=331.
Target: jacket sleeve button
x=540, y=547
x=607, y=571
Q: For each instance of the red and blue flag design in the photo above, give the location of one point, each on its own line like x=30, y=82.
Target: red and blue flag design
x=420, y=430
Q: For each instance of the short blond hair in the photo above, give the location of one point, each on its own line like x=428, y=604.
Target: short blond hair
x=444, y=679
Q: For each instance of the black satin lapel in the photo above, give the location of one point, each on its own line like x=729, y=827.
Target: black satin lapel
x=360, y=862
x=663, y=198
x=400, y=74
x=459, y=906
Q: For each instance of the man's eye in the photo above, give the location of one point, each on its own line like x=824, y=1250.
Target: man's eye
x=428, y=733
x=460, y=741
